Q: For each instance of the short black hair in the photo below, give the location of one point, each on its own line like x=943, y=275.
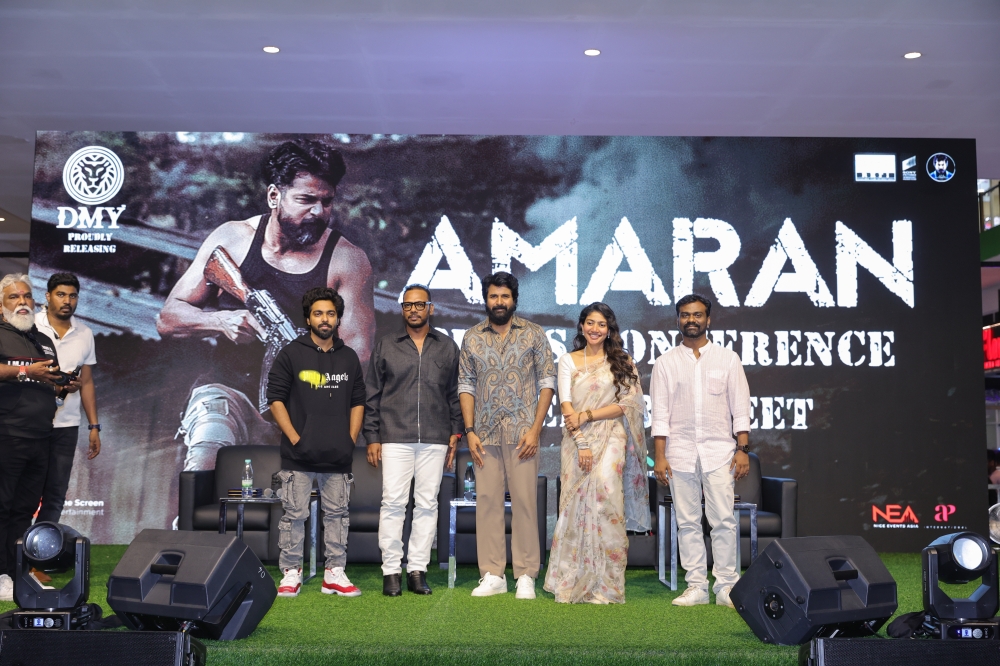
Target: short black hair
x=315, y=158
x=695, y=298
x=500, y=279
x=418, y=286
x=322, y=294
x=67, y=279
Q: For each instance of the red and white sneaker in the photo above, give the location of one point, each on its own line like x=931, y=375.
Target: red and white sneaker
x=290, y=583
x=335, y=581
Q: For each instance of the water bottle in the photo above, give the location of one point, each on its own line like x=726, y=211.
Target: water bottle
x=470, y=482
x=247, y=478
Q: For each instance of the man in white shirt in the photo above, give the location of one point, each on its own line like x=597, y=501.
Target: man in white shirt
x=75, y=348
x=701, y=429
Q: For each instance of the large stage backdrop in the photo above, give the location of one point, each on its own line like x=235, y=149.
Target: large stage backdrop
x=843, y=272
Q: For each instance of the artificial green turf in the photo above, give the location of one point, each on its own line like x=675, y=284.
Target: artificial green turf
x=450, y=627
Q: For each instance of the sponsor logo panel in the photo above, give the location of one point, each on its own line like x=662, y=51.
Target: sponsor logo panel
x=875, y=168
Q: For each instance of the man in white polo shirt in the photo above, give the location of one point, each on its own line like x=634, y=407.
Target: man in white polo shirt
x=75, y=347
x=701, y=429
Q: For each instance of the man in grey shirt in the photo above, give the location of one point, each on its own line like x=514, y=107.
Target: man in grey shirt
x=412, y=420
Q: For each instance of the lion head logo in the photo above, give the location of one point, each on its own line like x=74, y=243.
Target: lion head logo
x=93, y=175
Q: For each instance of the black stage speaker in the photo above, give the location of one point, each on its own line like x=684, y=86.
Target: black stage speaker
x=898, y=652
x=168, y=579
x=798, y=589
x=30, y=647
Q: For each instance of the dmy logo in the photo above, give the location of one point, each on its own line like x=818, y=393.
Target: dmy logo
x=93, y=175
x=942, y=512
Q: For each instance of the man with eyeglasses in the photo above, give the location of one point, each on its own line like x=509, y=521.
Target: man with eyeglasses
x=411, y=417
x=701, y=429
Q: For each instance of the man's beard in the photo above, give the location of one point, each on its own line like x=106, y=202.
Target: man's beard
x=501, y=319
x=306, y=233
x=415, y=325
x=22, y=322
x=62, y=316
x=323, y=334
x=695, y=334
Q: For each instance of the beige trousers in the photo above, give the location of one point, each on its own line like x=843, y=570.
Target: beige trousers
x=501, y=468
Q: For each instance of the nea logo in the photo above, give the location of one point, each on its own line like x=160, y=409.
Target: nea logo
x=894, y=513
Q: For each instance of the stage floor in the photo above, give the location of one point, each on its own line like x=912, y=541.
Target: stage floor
x=450, y=627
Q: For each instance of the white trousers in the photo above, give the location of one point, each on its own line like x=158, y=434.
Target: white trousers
x=400, y=464
x=687, y=489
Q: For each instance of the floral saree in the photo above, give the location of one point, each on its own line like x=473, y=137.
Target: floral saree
x=590, y=546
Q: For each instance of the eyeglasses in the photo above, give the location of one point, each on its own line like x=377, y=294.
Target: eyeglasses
x=419, y=306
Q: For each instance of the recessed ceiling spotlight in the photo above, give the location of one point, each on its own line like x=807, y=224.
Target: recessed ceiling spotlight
x=592, y=52
x=271, y=49
x=912, y=55
x=2, y=219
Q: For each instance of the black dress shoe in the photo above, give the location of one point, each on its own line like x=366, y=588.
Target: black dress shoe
x=416, y=582
x=391, y=585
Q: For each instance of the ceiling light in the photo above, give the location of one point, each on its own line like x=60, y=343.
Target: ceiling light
x=271, y=49
x=592, y=52
x=2, y=219
x=912, y=55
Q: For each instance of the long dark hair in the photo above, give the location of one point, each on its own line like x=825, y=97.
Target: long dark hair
x=621, y=364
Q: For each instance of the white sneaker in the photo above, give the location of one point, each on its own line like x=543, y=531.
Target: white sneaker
x=722, y=597
x=290, y=583
x=693, y=596
x=335, y=581
x=490, y=585
x=525, y=587
x=6, y=588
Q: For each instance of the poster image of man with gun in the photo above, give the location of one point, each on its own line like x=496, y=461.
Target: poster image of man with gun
x=246, y=283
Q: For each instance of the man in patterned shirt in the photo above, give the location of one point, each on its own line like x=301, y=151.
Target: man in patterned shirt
x=506, y=380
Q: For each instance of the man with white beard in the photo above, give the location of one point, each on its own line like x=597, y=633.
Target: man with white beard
x=28, y=372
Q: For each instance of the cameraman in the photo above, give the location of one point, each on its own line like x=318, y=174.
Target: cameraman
x=28, y=373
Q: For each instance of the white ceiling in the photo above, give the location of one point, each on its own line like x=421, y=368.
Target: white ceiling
x=697, y=67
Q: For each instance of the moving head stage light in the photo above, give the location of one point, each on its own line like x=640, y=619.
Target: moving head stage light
x=956, y=559
x=53, y=548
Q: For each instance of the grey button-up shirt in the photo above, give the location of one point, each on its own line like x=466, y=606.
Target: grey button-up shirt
x=505, y=375
x=413, y=396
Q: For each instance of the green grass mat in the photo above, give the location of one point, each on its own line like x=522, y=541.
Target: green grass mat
x=452, y=628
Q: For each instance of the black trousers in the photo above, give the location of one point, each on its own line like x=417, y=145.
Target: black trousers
x=23, y=463
x=62, y=449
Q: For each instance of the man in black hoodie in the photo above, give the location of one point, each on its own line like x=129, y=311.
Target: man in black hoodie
x=317, y=396
x=27, y=405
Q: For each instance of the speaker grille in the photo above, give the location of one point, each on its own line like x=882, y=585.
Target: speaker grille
x=888, y=652
x=28, y=647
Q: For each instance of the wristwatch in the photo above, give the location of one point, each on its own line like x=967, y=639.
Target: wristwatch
x=744, y=449
x=94, y=426
x=470, y=430
x=22, y=374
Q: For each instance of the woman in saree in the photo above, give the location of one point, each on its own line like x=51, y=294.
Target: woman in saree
x=603, y=475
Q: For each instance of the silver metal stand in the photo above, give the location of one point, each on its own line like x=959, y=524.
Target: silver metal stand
x=241, y=502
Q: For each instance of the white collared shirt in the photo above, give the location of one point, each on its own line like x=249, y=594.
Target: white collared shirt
x=699, y=404
x=74, y=349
